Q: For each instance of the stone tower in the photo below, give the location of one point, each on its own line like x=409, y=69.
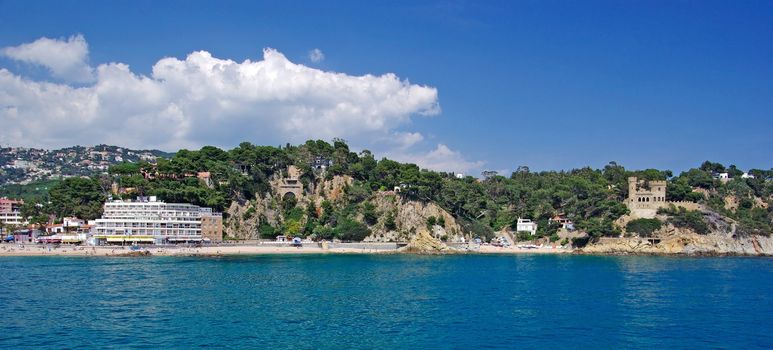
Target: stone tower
x=645, y=197
x=291, y=184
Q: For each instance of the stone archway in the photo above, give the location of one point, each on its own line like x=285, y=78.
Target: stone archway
x=294, y=191
x=289, y=200
x=289, y=195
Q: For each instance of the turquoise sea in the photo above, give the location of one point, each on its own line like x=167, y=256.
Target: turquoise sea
x=395, y=301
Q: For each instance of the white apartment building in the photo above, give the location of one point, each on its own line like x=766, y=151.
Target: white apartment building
x=10, y=212
x=147, y=220
x=526, y=225
x=12, y=218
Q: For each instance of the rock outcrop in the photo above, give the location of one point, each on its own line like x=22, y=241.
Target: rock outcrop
x=425, y=243
x=245, y=219
x=723, y=238
x=411, y=217
x=680, y=241
x=332, y=189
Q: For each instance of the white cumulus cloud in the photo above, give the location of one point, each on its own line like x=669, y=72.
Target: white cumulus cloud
x=404, y=139
x=316, y=55
x=204, y=100
x=442, y=158
x=65, y=59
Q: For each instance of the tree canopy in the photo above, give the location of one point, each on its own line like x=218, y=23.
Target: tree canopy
x=591, y=198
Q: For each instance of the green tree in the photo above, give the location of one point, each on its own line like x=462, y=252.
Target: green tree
x=643, y=227
x=267, y=231
x=524, y=236
x=124, y=168
x=350, y=230
x=328, y=213
x=431, y=221
x=323, y=232
x=389, y=222
x=292, y=227
x=76, y=196
x=369, y=213
x=598, y=227
x=698, y=178
x=710, y=167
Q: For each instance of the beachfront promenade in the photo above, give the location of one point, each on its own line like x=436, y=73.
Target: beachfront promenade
x=245, y=248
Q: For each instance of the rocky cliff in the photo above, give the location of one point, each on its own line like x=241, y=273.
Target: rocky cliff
x=688, y=243
x=399, y=219
x=411, y=217
x=723, y=239
x=720, y=233
x=244, y=219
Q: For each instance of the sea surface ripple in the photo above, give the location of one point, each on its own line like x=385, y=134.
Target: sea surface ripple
x=395, y=301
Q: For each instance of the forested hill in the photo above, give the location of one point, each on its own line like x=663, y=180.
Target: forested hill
x=247, y=174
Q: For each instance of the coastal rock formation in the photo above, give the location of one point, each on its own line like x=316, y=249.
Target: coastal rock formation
x=399, y=219
x=425, y=243
x=332, y=189
x=680, y=241
x=136, y=253
x=410, y=217
x=723, y=235
x=244, y=219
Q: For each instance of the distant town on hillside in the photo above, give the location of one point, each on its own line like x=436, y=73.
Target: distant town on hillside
x=19, y=165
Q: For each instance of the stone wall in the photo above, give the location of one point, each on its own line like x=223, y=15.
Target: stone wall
x=688, y=205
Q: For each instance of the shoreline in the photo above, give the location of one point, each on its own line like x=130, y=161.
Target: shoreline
x=100, y=251
x=8, y=250
x=700, y=254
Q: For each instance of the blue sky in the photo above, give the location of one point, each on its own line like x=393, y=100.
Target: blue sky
x=548, y=84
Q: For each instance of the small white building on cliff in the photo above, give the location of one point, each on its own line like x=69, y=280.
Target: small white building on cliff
x=526, y=225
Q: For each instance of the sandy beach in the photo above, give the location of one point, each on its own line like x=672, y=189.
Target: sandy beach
x=247, y=249
x=489, y=249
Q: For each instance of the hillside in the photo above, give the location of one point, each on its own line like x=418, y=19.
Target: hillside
x=322, y=190
x=19, y=165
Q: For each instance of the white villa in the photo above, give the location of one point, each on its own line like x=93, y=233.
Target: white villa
x=526, y=225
